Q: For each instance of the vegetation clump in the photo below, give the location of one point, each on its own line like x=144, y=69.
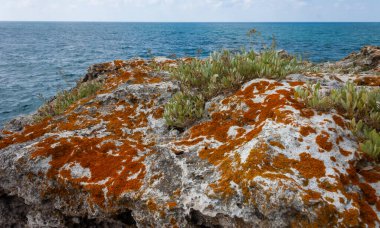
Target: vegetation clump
x=183, y=109
x=65, y=98
x=225, y=71
x=360, y=105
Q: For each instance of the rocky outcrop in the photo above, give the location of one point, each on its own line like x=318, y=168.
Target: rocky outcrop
x=258, y=158
x=367, y=59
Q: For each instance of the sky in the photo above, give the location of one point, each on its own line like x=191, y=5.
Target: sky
x=191, y=10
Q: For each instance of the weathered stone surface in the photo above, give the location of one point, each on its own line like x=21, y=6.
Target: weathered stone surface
x=367, y=59
x=258, y=159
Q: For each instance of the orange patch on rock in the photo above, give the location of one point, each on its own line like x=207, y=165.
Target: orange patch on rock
x=369, y=193
x=339, y=121
x=277, y=144
x=171, y=205
x=310, y=167
x=152, y=205
x=323, y=141
x=259, y=162
x=307, y=113
x=126, y=152
x=350, y=217
x=29, y=133
x=371, y=176
x=368, y=81
x=311, y=196
x=344, y=152
x=305, y=131
x=159, y=112
x=296, y=83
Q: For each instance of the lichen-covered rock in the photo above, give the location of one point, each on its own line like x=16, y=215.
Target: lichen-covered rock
x=258, y=159
x=367, y=59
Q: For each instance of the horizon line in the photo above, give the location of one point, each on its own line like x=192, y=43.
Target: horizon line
x=79, y=21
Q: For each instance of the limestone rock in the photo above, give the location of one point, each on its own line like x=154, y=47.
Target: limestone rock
x=367, y=59
x=259, y=159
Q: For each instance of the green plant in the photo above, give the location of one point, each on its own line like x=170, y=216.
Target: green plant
x=222, y=72
x=371, y=146
x=227, y=70
x=183, y=109
x=360, y=105
x=312, y=96
x=66, y=98
x=351, y=99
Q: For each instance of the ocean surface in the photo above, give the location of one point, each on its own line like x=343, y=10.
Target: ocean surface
x=39, y=58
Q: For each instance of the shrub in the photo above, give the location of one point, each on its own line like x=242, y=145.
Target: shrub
x=360, y=105
x=183, y=109
x=371, y=146
x=227, y=70
x=312, y=97
x=224, y=71
x=66, y=98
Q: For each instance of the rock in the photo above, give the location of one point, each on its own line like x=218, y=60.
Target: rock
x=367, y=59
x=96, y=70
x=259, y=159
x=18, y=123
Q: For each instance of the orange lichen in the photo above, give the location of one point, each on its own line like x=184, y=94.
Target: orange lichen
x=126, y=152
x=190, y=142
x=344, y=152
x=152, y=205
x=137, y=63
x=262, y=161
x=296, y=83
x=307, y=113
x=339, y=121
x=368, y=81
x=258, y=163
x=277, y=144
x=310, y=167
x=305, y=131
x=158, y=113
x=311, y=196
x=350, y=218
x=371, y=176
x=339, y=139
x=5, y=132
x=171, y=205
x=369, y=193
x=323, y=141
x=29, y=133
x=367, y=214
x=119, y=63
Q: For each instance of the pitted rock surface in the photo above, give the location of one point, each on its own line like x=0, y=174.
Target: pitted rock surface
x=259, y=158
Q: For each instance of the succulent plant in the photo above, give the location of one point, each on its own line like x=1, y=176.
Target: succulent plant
x=225, y=70
x=356, y=103
x=312, y=96
x=183, y=109
x=371, y=146
x=66, y=98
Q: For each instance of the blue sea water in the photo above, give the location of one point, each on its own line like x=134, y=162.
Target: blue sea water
x=40, y=58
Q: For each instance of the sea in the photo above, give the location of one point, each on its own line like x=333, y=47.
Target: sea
x=37, y=59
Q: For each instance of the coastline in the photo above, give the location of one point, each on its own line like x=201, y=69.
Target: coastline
x=255, y=156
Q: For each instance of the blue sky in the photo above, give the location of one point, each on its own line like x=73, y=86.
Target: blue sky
x=190, y=10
